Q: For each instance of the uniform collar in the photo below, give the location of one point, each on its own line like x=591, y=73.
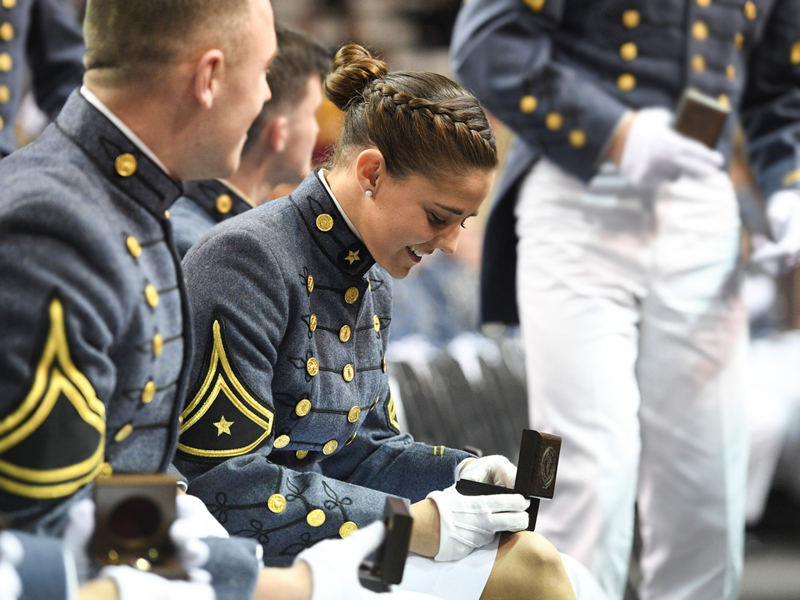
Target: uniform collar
x=219, y=200
x=329, y=229
x=117, y=156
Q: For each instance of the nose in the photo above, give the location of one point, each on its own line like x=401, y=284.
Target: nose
x=447, y=242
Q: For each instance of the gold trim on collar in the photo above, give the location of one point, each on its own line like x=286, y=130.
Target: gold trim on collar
x=56, y=376
x=213, y=384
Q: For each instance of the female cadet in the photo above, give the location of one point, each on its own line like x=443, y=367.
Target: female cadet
x=291, y=435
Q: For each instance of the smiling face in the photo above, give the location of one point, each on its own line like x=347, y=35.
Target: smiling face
x=409, y=218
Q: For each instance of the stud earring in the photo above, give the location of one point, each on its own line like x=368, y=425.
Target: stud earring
x=369, y=193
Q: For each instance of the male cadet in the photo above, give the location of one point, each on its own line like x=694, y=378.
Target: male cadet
x=279, y=145
x=46, y=35
x=94, y=328
x=626, y=275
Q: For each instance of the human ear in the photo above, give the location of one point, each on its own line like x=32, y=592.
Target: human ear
x=277, y=134
x=207, y=76
x=370, y=169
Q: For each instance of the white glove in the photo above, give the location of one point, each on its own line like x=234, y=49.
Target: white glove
x=193, y=553
x=11, y=554
x=495, y=469
x=192, y=509
x=135, y=585
x=783, y=213
x=334, y=567
x=654, y=153
x=469, y=522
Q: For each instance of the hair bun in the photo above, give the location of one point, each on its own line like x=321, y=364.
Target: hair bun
x=354, y=68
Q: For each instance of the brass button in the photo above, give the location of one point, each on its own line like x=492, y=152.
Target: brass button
x=577, y=138
x=795, y=54
x=106, y=470
x=354, y=414
x=5, y=94
x=724, y=100
x=535, y=5
x=125, y=164
x=750, y=10
x=301, y=454
x=6, y=32
x=312, y=323
x=628, y=51
x=352, y=437
x=528, y=104
x=330, y=447
x=315, y=518
x=553, y=121
x=276, y=503
x=303, y=407
x=123, y=433
x=324, y=222
x=6, y=63
x=166, y=214
x=347, y=528
x=351, y=295
x=158, y=344
x=738, y=39
x=699, y=31
x=1, y=123
x=310, y=284
x=698, y=63
x=151, y=293
x=384, y=364
x=134, y=247
x=626, y=82
x=281, y=441
x=374, y=404
x=348, y=373
x=730, y=71
x=9, y=3
x=344, y=333
x=224, y=204
x=312, y=366
x=376, y=323
x=703, y=3
x=149, y=392
x=631, y=18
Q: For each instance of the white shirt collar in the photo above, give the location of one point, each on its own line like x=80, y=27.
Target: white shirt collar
x=321, y=174
x=237, y=191
x=95, y=101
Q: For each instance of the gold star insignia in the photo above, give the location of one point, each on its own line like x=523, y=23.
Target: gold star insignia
x=223, y=426
x=352, y=256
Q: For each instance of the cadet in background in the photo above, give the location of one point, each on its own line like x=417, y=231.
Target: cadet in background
x=279, y=145
x=615, y=242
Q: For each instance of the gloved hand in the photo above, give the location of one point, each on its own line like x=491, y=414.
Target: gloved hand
x=495, y=469
x=11, y=553
x=654, y=153
x=783, y=213
x=334, y=567
x=135, y=585
x=193, y=510
x=469, y=522
x=192, y=552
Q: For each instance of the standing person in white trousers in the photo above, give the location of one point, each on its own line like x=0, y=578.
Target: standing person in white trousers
x=615, y=243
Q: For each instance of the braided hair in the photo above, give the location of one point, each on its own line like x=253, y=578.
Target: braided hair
x=422, y=123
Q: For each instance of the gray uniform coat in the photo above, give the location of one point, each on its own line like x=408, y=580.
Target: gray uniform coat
x=561, y=75
x=290, y=433
x=94, y=321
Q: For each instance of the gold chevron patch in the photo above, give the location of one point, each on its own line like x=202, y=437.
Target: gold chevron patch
x=213, y=409
x=391, y=413
x=54, y=442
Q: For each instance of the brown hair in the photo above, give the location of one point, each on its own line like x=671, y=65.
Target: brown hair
x=299, y=57
x=136, y=38
x=423, y=123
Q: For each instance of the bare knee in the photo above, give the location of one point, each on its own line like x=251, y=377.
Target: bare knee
x=537, y=552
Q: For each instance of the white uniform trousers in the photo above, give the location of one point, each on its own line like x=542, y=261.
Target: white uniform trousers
x=634, y=338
